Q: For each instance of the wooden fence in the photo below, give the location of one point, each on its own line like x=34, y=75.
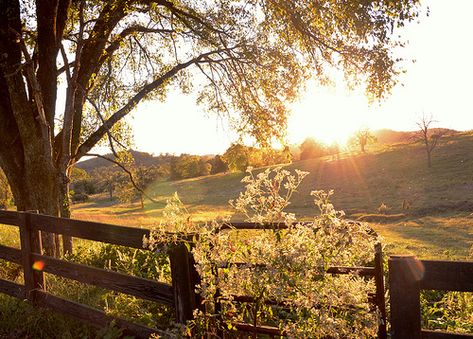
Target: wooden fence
x=180, y=294
x=177, y=295
x=407, y=277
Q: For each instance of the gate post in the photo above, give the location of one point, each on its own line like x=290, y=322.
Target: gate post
x=30, y=243
x=379, y=280
x=405, y=272
x=184, y=280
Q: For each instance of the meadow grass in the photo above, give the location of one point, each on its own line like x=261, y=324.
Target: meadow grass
x=437, y=225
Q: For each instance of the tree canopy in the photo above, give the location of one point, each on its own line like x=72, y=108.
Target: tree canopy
x=245, y=59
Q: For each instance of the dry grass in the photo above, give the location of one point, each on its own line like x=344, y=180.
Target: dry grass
x=438, y=223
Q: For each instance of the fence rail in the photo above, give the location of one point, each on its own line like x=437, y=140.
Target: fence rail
x=407, y=277
x=180, y=295
x=34, y=289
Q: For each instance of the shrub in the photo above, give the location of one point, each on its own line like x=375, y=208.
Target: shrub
x=79, y=197
x=285, y=265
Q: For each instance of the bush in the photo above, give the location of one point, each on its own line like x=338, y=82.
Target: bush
x=285, y=265
x=312, y=149
x=79, y=197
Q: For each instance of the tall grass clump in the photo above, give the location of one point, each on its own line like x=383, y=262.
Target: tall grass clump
x=286, y=264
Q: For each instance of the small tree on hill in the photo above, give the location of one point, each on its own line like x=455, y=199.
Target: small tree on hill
x=218, y=165
x=334, y=150
x=311, y=149
x=427, y=136
x=363, y=137
x=237, y=157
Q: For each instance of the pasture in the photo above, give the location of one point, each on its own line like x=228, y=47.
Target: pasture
x=437, y=225
x=437, y=222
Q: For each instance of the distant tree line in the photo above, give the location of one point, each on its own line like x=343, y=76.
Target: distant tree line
x=130, y=185
x=115, y=182
x=310, y=149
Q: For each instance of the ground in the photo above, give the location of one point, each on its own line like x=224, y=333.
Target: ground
x=428, y=213
x=429, y=210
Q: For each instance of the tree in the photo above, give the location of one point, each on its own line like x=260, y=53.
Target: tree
x=311, y=149
x=334, y=150
x=81, y=185
x=218, y=165
x=186, y=166
x=143, y=176
x=249, y=59
x=237, y=157
x=363, y=137
x=427, y=136
x=108, y=179
x=5, y=192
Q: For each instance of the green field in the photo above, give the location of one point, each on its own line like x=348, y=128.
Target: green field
x=437, y=224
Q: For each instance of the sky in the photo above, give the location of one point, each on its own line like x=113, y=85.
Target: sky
x=439, y=82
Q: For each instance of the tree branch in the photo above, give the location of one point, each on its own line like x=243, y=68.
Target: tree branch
x=115, y=44
x=66, y=62
x=109, y=134
x=145, y=90
x=32, y=78
x=130, y=175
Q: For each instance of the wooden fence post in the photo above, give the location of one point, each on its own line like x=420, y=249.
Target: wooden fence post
x=184, y=280
x=379, y=280
x=405, y=273
x=31, y=243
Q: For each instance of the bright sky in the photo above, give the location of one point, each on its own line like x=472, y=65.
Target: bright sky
x=439, y=82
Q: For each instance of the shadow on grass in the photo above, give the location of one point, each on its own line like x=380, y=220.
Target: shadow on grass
x=447, y=235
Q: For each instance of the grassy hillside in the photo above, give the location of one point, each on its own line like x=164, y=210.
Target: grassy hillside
x=440, y=198
x=140, y=158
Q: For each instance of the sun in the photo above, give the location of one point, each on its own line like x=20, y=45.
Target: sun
x=330, y=116
x=334, y=135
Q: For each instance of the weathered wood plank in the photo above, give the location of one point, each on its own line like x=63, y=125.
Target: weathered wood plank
x=186, y=300
x=268, y=330
x=9, y=218
x=404, y=275
x=426, y=334
x=112, y=234
x=30, y=243
x=248, y=299
x=447, y=275
x=10, y=254
x=12, y=289
x=285, y=305
x=361, y=271
x=119, y=282
x=379, y=299
x=92, y=316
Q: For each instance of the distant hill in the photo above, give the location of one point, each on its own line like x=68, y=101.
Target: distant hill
x=388, y=136
x=141, y=158
x=394, y=176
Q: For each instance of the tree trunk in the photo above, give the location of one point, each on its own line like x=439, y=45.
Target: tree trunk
x=37, y=191
x=110, y=191
x=65, y=210
x=429, y=159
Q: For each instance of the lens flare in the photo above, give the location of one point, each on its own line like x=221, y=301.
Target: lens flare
x=38, y=265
